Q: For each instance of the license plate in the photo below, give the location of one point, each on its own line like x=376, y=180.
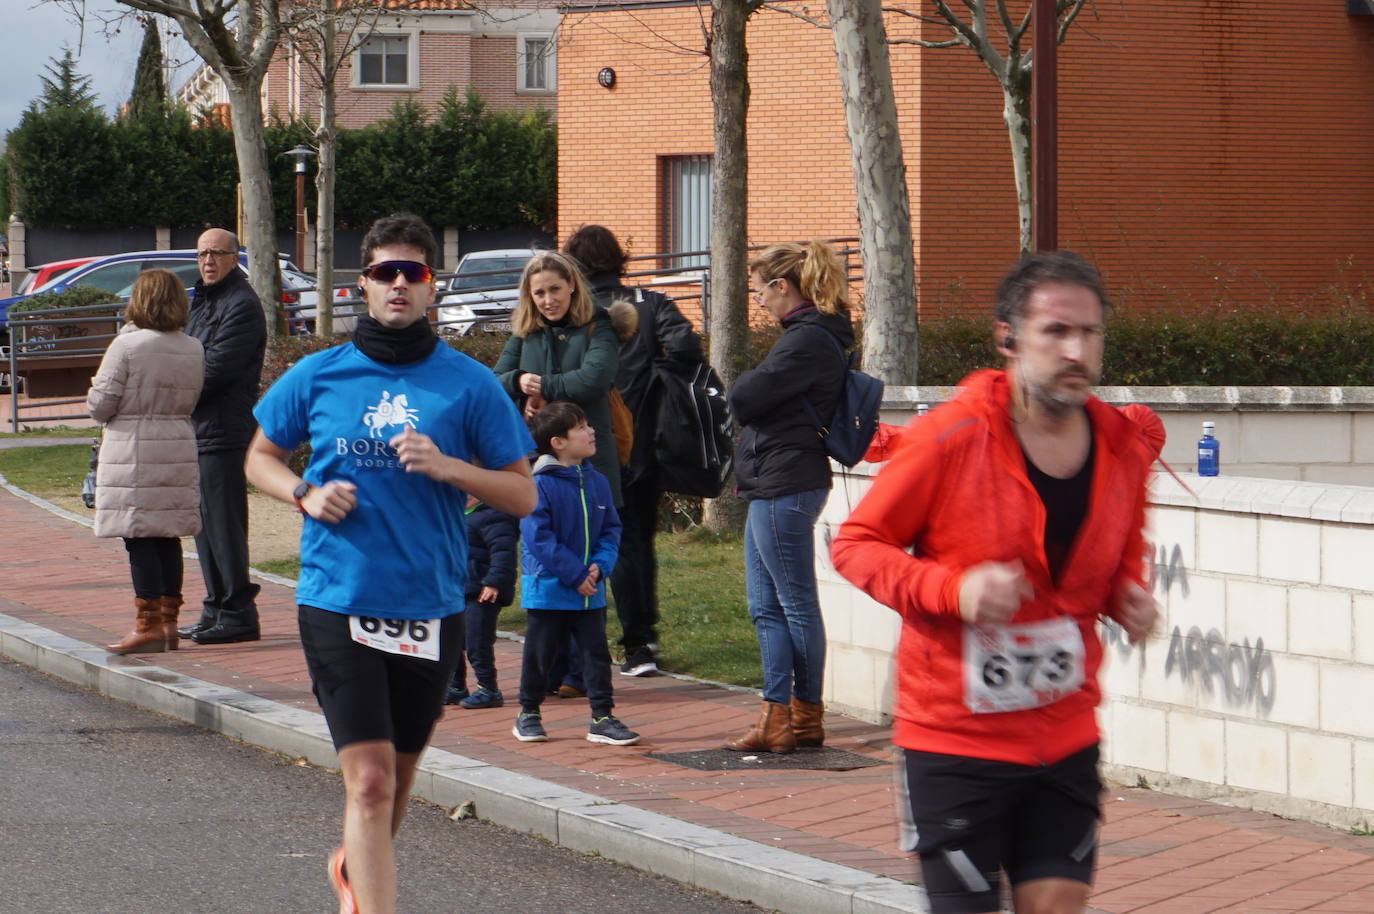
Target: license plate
x=501, y=326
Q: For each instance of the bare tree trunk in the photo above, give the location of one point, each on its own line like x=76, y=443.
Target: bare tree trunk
x=890, y=343
x=327, y=142
x=1016, y=114
x=250, y=146
x=729, y=216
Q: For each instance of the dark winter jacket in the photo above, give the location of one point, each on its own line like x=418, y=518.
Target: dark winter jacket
x=576, y=365
x=227, y=319
x=491, y=552
x=573, y=527
x=663, y=331
x=780, y=450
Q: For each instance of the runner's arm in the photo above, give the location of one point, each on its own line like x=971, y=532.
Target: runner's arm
x=266, y=468
x=509, y=489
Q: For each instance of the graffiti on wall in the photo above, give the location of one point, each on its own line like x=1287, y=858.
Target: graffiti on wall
x=1242, y=675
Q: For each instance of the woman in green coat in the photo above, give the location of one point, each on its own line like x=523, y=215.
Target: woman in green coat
x=563, y=347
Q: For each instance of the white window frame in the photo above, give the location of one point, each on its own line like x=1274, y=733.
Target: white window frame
x=687, y=206
x=550, y=63
x=412, y=83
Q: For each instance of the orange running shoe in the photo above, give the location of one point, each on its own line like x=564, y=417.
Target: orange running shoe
x=338, y=880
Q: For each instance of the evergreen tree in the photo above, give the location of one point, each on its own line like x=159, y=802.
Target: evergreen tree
x=67, y=88
x=150, y=91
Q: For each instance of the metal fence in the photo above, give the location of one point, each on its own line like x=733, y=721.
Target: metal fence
x=49, y=340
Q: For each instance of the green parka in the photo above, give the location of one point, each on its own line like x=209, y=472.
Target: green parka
x=574, y=365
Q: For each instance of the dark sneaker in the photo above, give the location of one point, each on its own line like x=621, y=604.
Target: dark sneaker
x=455, y=696
x=609, y=730
x=639, y=661
x=529, y=728
x=483, y=698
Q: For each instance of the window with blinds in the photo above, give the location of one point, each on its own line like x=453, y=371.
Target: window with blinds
x=687, y=208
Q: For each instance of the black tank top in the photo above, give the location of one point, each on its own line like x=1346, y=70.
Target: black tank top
x=1066, y=504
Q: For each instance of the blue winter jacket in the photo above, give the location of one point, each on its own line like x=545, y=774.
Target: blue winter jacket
x=573, y=527
x=491, y=553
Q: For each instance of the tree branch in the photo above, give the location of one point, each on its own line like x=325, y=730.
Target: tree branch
x=796, y=15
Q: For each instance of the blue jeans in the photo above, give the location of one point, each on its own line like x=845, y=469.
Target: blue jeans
x=780, y=581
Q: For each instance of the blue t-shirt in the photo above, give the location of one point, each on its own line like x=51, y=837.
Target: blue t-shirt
x=402, y=552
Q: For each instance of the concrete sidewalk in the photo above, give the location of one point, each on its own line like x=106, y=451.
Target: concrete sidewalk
x=809, y=842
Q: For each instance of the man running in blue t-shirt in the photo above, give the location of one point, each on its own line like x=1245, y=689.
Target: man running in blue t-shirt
x=401, y=430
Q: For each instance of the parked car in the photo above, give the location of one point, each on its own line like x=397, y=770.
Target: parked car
x=483, y=291
x=116, y=273
x=45, y=273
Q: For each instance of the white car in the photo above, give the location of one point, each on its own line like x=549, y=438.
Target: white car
x=483, y=291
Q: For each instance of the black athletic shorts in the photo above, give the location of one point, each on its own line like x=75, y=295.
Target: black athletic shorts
x=367, y=694
x=976, y=818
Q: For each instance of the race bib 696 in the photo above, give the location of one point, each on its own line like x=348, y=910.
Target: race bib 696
x=408, y=637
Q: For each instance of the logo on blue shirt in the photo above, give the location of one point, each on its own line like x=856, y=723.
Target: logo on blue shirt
x=389, y=411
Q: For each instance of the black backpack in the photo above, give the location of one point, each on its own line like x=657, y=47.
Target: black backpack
x=694, y=432
x=850, y=430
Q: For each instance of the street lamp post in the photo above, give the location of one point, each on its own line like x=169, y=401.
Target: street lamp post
x=301, y=154
x=1044, y=127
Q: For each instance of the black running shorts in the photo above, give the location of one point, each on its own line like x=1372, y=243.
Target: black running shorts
x=976, y=818
x=367, y=694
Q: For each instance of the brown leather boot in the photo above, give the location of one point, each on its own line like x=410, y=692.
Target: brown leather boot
x=147, y=636
x=806, y=722
x=170, y=606
x=773, y=732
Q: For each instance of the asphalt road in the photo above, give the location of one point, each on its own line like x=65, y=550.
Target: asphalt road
x=107, y=808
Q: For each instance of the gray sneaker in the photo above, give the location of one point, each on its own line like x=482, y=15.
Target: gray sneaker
x=609, y=730
x=529, y=728
x=639, y=661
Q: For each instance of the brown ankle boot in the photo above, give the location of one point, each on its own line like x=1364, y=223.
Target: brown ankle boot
x=147, y=637
x=170, y=607
x=806, y=722
x=773, y=732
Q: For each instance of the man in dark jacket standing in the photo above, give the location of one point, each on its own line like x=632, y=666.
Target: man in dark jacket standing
x=663, y=331
x=227, y=318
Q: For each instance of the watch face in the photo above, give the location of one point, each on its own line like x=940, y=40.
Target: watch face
x=301, y=491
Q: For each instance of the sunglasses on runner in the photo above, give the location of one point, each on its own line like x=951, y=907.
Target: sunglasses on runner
x=386, y=271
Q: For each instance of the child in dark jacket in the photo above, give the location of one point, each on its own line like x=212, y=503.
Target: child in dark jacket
x=570, y=546
x=491, y=586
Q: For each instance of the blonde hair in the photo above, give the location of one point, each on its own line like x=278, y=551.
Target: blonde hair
x=814, y=269
x=526, y=318
x=157, y=301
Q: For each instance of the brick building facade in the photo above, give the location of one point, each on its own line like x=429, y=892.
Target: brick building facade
x=506, y=52
x=1209, y=150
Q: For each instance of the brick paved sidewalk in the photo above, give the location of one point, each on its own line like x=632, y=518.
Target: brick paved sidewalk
x=1159, y=853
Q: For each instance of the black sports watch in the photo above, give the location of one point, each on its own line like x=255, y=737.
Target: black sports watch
x=299, y=492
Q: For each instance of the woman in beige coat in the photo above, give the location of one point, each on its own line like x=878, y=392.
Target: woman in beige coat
x=147, y=485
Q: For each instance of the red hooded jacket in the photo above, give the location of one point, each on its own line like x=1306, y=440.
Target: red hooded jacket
x=956, y=494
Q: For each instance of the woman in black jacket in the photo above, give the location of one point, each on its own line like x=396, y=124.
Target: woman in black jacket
x=782, y=470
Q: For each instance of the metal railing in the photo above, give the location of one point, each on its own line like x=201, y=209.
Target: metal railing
x=689, y=287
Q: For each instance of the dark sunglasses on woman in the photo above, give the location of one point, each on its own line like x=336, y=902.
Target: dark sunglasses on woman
x=386, y=271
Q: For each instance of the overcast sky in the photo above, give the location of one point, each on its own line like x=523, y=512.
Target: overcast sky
x=34, y=31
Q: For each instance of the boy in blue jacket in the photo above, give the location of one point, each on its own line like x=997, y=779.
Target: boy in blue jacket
x=570, y=546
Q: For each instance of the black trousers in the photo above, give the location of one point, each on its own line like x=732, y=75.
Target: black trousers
x=222, y=542
x=634, y=582
x=546, y=632
x=155, y=563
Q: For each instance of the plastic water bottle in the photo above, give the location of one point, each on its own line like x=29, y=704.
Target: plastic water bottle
x=1208, y=451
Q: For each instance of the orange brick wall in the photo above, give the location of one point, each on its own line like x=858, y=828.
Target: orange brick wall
x=1214, y=148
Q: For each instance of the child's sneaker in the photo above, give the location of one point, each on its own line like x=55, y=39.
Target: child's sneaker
x=529, y=728
x=483, y=698
x=455, y=695
x=609, y=730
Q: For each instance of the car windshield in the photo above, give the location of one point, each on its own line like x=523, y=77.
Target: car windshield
x=508, y=278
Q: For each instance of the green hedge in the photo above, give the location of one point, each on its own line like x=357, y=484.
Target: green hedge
x=75, y=297
x=1209, y=346
x=461, y=165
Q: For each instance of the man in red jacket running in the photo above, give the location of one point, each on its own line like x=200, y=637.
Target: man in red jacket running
x=1007, y=523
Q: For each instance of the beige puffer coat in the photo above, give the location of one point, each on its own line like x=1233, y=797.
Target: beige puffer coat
x=148, y=479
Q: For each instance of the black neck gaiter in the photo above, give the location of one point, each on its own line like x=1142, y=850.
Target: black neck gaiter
x=403, y=346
